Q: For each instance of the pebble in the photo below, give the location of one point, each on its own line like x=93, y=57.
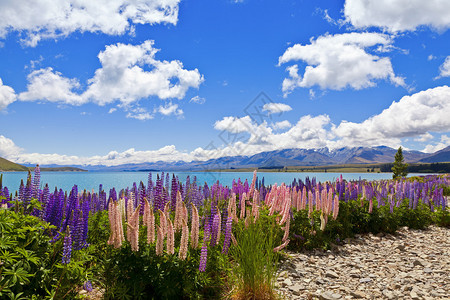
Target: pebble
x=412, y=264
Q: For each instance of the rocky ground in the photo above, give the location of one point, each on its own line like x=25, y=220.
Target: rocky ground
x=412, y=264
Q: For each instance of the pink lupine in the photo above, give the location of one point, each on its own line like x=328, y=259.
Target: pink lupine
x=184, y=240
x=255, y=207
x=194, y=227
x=167, y=209
x=299, y=200
x=133, y=229
x=118, y=227
x=252, y=187
x=294, y=198
x=336, y=207
x=129, y=213
x=370, y=205
x=304, y=197
x=159, y=241
x=276, y=249
x=318, y=200
x=287, y=207
x=163, y=222
x=310, y=203
x=184, y=215
x=244, y=198
x=286, y=229
x=170, y=245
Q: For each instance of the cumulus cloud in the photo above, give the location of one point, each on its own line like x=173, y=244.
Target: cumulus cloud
x=48, y=85
x=128, y=73
x=197, y=99
x=340, y=61
x=274, y=108
x=415, y=116
x=8, y=148
x=398, y=15
x=444, y=69
x=444, y=142
x=170, y=109
x=7, y=95
x=43, y=19
x=411, y=116
x=123, y=77
x=138, y=113
x=282, y=125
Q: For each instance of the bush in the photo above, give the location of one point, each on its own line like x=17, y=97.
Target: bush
x=31, y=265
x=255, y=262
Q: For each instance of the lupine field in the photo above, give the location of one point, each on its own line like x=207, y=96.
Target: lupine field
x=166, y=239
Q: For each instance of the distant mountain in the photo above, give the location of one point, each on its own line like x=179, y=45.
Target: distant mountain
x=439, y=156
x=6, y=165
x=282, y=158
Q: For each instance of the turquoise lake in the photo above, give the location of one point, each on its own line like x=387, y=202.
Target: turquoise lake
x=119, y=180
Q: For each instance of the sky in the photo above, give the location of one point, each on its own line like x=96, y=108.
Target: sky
x=118, y=81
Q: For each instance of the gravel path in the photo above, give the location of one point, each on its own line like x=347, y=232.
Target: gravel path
x=412, y=264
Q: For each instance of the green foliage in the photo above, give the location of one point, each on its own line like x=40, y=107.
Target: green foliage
x=255, y=263
x=31, y=265
x=126, y=274
x=400, y=168
x=442, y=217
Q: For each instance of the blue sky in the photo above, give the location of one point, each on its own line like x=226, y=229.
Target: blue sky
x=114, y=82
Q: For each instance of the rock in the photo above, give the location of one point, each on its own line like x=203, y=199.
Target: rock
x=287, y=282
x=296, y=288
x=427, y=270
x=365, y=280
x=358, y=294
x=331, y=274
x=330, y=296
x=401, y=247
x=388, y=294
x=414, y=295
x=417, y=263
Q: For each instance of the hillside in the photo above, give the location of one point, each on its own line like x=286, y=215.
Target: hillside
x=6, y=165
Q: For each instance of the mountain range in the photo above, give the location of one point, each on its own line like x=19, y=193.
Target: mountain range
x=285, y=158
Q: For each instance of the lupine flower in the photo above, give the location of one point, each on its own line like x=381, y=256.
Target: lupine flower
x=215, y=230
x=194, y=227
x=204, y=252
x=159, y=241
x=67, y=248
x=88, y=286
x=227, y=240
x=170, y=237
x=243, y=199
x=286, y=229
x=150, y=224
x=336, y=207
x=133, y=228
x=184, y=240
x=282, y=246
x=163, y=222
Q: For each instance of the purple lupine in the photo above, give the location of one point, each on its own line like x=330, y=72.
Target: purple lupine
x=204, y=251
x=36, y=182
x=173, y=192
x=215, y=230
x=87, y=286
x=67, y=248
x=227, y=241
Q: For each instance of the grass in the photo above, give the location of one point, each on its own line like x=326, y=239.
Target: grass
x=6, y=165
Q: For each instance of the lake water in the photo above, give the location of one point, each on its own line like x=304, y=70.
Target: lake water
x=119, y=180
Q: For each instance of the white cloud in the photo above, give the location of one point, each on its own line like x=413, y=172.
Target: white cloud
x=431, y=57
x=398, y=15
x=424, y=137
x=444, y=142
x=48, y=85
x=411, y=116
x=274, y=108
x=8, y=148
x=7, y=95
x=128, y=74
x=170, y=109
x=414, y=116
x=339, y=61
x=197, y=99
x=235, y=124
x=282, y=125
x=138, y=113
x=42, y=19
x=111, y=110
x=122, y=76
x=444, y=69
